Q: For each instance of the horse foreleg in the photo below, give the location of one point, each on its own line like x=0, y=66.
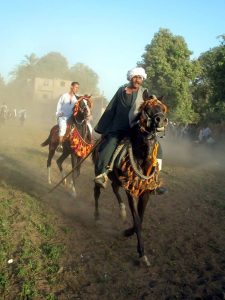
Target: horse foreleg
x=133, y=203
x=142, y=203
x=49, y=175
x=97, y=193
x=116, y=187
x=59, y=162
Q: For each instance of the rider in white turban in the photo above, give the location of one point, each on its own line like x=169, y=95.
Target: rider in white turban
x=136, y=72
x=115, y=123
x=118, y=118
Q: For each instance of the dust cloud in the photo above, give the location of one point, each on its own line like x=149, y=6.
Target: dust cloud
x=191, y=154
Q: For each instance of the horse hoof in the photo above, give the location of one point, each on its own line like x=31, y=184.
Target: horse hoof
x=144, y=261
x=123, y=213
x=97, y=217
x=128, y=232
x=74, y=192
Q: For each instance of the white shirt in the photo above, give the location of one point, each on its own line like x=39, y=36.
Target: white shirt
x=65, y=105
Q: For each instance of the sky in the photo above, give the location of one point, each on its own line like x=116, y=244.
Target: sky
x=107, y=36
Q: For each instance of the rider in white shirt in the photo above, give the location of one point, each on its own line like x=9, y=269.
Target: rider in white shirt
x=65, y=110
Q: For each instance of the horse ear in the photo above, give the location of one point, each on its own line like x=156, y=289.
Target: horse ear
x=145, y=95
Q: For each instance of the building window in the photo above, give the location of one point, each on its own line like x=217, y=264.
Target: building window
x=62, y=84
x=45, y=96
x=46, y=83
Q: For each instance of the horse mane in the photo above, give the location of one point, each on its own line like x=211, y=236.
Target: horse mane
x=151, y=102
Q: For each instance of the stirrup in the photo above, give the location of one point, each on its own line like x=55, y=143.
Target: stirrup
x=101, y=180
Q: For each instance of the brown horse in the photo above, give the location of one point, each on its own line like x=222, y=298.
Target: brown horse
x=77, y=141
x=135, y=168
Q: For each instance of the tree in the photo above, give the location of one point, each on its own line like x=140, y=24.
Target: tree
x=52, y=65
x=27, y=68
x=209, y=86
x=2, y=89
x=87, y=78
x=170, y=73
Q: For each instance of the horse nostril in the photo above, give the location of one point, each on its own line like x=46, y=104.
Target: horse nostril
x=157, y=119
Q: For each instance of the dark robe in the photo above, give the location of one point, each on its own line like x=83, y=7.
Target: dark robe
x=110, y=117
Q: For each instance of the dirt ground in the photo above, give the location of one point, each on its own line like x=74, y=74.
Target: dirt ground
x=183, y=230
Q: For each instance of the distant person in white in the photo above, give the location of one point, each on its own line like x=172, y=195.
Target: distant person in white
x=65, y=110
x=204, y=134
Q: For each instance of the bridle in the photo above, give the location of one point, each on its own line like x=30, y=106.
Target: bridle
x=78, y=108
x=156, y=117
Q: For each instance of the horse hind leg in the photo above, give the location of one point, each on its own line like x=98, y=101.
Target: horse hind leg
x=133, y=203
x=59, y=162
x=49, y=161
x=123, y=213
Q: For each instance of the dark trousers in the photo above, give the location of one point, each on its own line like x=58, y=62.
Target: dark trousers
x=106, y=151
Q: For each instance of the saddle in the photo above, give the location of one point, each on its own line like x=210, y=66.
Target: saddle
x=130, y=174
x=77, y=143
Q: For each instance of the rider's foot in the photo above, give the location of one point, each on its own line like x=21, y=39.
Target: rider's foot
x=161, y=190
x=60, y=148
x=101, y=180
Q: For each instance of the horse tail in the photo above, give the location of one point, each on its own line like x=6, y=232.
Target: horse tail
x=53, y=136
x=46, y=142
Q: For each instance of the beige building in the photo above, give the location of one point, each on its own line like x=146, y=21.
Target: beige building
x=46, y=90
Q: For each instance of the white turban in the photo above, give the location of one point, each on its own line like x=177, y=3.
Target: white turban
x=136, y=72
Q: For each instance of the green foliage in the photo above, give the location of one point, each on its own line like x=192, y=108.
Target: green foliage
x=45, y=229
x=51, y=297
x=31, y=246
x=3, y=280
x=52, y=252
x=28, y=290
x=87, y=78
x=208, y=87
x=52, y=65
x=2, y=89
x=27, y=68
x=170, y=72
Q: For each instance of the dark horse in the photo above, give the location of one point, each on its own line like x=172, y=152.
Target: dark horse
x=135, y=166
x=77, y=140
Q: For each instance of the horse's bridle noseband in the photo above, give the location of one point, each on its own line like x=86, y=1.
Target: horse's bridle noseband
x=149, y=119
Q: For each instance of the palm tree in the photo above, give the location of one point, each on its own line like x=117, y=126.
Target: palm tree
x=25, y=70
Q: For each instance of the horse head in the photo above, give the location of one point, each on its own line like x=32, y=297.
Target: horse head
x=82, y=109
x=151, y=120
x=152, y=116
